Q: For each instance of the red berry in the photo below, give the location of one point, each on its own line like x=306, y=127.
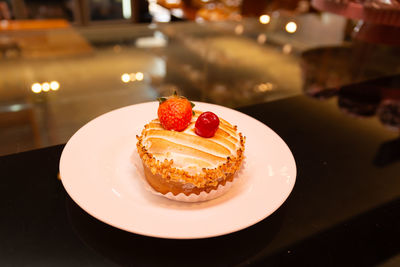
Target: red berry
x=175, y=113
x=207, y=124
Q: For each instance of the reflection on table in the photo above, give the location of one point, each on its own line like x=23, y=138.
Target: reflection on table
x=232, y=63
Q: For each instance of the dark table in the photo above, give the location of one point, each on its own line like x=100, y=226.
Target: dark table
x=344, y=209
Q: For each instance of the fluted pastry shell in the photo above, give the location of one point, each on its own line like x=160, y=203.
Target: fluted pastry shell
x=183, y=162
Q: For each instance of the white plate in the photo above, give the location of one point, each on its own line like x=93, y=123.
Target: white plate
x=98, y=174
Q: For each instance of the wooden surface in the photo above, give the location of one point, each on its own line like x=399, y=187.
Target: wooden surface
x=16, y=25
x=42, y=38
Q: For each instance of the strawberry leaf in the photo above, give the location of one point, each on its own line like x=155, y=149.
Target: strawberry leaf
x=193, y=113
x=192, y=104
x=161, y=99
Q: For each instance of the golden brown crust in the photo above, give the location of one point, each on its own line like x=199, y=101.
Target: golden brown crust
x=165, y=186
x=164, y=177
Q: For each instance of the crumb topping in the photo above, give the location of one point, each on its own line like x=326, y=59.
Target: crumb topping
x=207, y=177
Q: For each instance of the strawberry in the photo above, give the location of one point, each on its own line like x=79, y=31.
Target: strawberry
x=175, y=113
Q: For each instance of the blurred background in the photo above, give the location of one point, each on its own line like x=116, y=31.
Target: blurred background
x=65, y=62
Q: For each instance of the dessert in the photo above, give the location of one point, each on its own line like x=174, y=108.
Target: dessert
x=183, y=161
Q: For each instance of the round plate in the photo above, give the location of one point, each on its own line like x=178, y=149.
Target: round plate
x=101, y=172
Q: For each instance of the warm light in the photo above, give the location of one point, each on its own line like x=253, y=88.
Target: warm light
x=36, y=88
x=264, y=87
x=239, y=29
x=159, y=13
x=4, y=23
x=132, y=77
x=265, y=19
x=199, y=19
x=286, y=49
x=261, y=38
x=125, y=78
x=54, y=85
x=45, y=87
x=139, y=76
x=126, y=9
x=291, y=27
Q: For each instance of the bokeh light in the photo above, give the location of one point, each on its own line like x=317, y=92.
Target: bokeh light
x=139, y=76
x=291, y=27
x=287, y=49
x=239, y=29
x=261, y=38
x=36, y=88
x=45, y=87
x=125, y=78
x=265, y=19
x=54, y=85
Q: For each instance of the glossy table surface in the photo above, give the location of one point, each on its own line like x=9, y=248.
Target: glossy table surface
x=99, y=68
x=334, y=99
x=344, y=209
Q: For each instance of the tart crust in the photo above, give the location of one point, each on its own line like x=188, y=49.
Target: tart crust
x=164, y=177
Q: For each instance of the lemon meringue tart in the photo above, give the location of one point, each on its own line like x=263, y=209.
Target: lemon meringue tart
x=184, y=162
